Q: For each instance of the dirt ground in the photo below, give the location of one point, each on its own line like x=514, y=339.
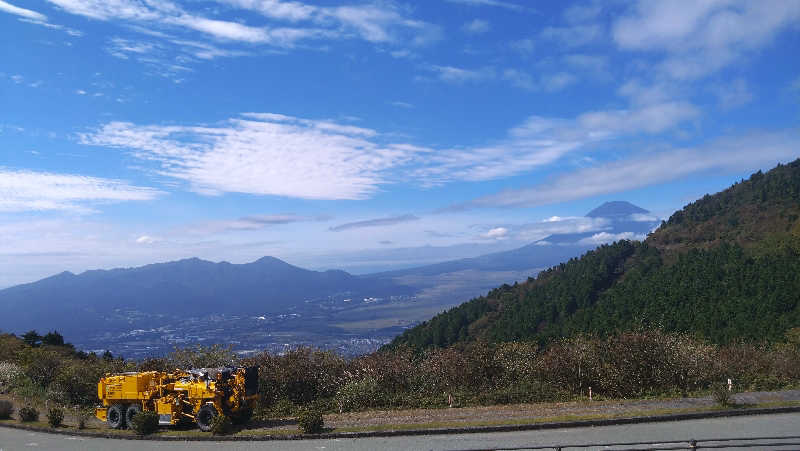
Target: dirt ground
x=510, y=414
x=532, y=412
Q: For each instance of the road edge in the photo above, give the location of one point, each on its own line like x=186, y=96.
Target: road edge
x=416, y=432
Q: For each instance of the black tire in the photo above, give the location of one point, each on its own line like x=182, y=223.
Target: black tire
x=130, y=412
x=205, y=417
x=116, y=416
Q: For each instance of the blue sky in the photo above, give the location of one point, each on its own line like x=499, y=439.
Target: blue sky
x=369, y=135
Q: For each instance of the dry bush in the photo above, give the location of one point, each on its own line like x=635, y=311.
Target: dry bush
x=55, y=416
x=10, y=375
x=302, y=375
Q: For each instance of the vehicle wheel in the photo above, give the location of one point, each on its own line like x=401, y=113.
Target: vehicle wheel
x=116, y=416
x=132, y=411
x=205, y=417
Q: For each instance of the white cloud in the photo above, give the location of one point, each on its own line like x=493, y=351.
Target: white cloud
x=556, y=225
x=41, y=191
x=26, y=13
x=69, y=31
x=643, y=217
x=121, y=48
x=476, y=26
x=458, y=75
x=540, y=140
x=267, y=154
x=750, y=152
x=497, y=233
x=147, y=239
x=605, y=237
x=702, y=37
x=495, y=3
x=384, y=23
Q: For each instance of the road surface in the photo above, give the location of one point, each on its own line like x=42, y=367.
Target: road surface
x=733, y=427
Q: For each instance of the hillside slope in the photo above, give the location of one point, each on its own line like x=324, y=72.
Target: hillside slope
x=725, y=267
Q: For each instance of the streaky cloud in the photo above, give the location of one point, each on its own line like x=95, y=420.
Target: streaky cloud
x=381, y=222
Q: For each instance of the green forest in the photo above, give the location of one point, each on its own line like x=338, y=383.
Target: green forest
x=724, y=268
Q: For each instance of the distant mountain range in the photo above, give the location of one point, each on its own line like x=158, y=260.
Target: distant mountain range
x=111, y=301
x=191, y=287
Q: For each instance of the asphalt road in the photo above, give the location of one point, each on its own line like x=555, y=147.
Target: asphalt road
x=718, y=428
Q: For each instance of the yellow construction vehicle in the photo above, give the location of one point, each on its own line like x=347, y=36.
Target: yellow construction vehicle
x=179, y=396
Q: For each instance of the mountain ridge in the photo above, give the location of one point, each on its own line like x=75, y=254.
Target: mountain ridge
x=711, y=270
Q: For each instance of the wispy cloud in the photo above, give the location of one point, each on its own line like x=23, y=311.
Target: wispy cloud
x=401, y=104
x=459, y=75
x=251, y=223
x=22, y=12
x=573, y=36
x=380, y=222
x=289, y=22
x=494, y=3
x=22, y=190
x=731, y=154
x=476, y=26
x=700, y=38
x=34, y=17
x=541, y=140
x=734, y=94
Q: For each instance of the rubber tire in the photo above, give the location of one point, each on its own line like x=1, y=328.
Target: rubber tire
x=131, y=412
x=205, y=417
x=116, y=416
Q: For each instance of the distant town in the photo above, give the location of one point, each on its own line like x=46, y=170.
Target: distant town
x=306, y=325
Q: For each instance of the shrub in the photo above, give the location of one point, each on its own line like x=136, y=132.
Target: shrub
x=282, y=408
x=55, y=416
x=222, y=425
x=76, y=383
x=144, y=423
x=359, y=395
x=6, y=409
x=28, y=413
x=310, y=421
x=722, y=396
x=10, y=375
x=82, y=415
x=29, y=391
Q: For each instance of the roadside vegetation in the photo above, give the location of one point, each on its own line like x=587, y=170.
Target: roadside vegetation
x=640, y=364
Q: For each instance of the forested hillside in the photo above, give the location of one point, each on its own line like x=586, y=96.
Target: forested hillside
x=724, y=268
